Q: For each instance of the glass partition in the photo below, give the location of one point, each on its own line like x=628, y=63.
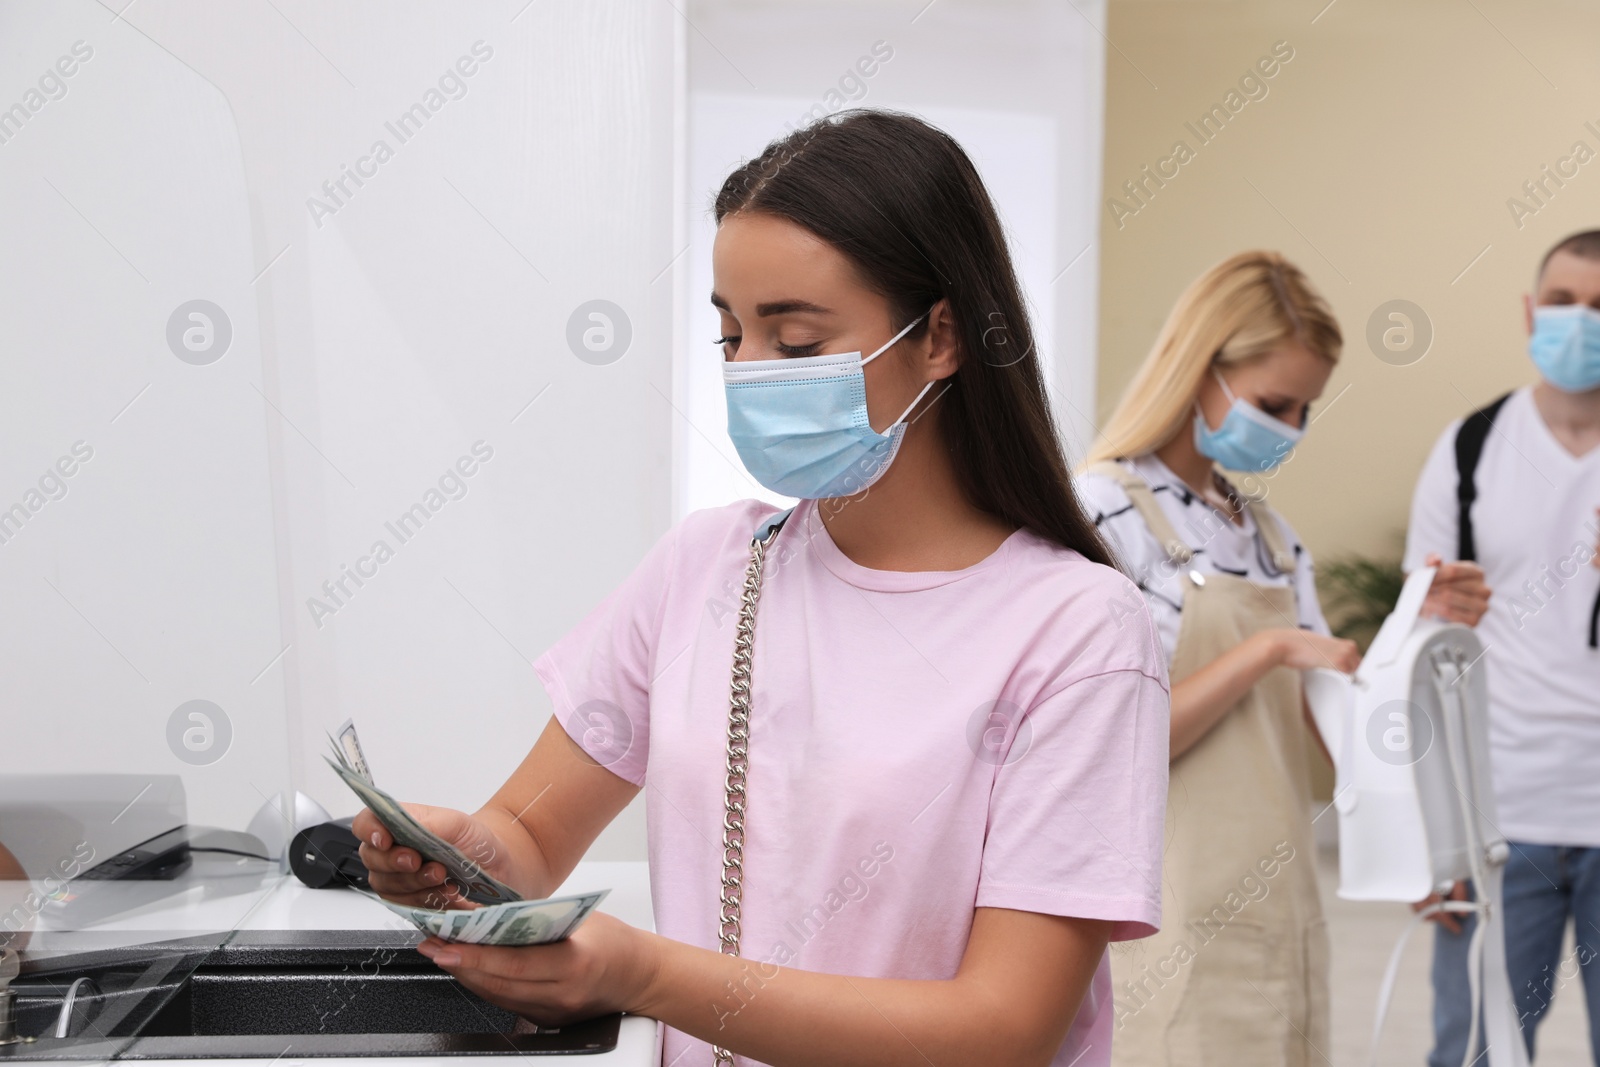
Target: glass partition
x=295, y=302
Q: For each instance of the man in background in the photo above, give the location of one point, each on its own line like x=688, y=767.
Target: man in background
x=1515, y=486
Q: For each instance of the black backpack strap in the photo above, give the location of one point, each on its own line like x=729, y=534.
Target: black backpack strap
x=1594, y=623
x=1470, y=438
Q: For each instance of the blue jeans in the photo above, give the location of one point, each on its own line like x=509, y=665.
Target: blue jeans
x=1545, y=885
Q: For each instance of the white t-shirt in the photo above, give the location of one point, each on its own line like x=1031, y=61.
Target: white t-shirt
x=1534, y=528
x=1219, y=545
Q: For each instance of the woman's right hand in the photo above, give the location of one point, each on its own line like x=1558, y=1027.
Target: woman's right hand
x=401, y=874
x=1303, y=650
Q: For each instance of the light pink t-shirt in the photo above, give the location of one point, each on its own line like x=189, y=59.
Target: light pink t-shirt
x=921, y=744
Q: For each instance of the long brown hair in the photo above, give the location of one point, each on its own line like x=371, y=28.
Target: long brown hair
x=902, y=201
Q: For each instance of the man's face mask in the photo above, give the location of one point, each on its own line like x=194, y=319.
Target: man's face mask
x=1565, y=346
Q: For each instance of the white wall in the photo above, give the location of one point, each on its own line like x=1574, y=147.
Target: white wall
x=151, y=580
x=400, y=323
x=1019, y=85
x=381, y=330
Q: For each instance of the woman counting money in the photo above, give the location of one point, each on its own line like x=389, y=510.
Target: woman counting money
x=920, y=692
x=1238, y=974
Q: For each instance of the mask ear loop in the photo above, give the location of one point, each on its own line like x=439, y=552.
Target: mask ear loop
x=1200, y=414
x=890, y=343
x=947, y=387
x=913, y=404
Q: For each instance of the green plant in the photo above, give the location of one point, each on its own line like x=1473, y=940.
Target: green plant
x=1358, y=593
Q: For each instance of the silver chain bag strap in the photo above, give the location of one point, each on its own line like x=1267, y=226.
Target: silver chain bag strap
x=739, y=754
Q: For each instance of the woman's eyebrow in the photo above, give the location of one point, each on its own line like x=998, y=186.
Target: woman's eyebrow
x=777, y=307
x=788, y=307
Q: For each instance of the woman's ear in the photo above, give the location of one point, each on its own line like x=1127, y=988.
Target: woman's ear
x=944, y=353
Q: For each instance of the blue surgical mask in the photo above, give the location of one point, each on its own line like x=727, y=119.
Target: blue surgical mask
x=1565, y=346
x=1248, y=440
x=800, y=425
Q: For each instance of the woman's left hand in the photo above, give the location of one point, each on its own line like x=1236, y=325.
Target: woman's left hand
x=1458, y=592
x=605, y=966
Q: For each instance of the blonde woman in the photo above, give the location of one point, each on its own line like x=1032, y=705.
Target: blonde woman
x=1238, y=973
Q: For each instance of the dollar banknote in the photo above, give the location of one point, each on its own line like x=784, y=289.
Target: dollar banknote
x=348, y=744
x=350, y=764
x=520, y=922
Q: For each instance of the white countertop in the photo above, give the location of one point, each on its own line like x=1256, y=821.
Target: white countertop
x=225, y=894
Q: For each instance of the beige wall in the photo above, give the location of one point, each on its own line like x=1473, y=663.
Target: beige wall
x=1380, y=160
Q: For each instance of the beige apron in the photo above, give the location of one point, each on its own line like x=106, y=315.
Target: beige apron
x=1238, y=974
